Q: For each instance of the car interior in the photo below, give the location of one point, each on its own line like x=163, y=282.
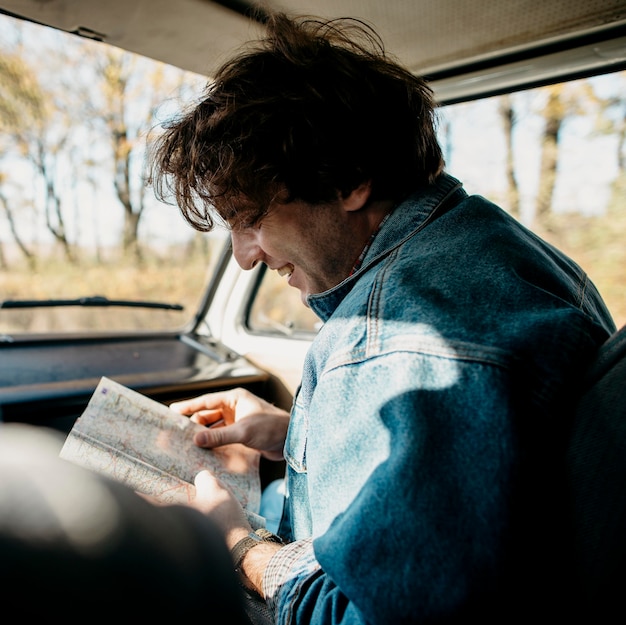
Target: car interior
x=468, y=51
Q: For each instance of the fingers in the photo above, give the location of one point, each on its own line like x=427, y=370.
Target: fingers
x=208, y=417
x=210, y=401
x=237, y=416
x=208, y=409
x=265, y=433
x=224, y=401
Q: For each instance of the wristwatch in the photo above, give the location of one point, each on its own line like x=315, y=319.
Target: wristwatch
x=250, y=541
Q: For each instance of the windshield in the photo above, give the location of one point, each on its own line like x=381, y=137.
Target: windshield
x=84, y=245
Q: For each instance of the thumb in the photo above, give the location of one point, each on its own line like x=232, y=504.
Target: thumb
x=205, y=482
x=215, y=437
x=209, y=492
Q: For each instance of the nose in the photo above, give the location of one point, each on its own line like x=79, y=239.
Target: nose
x=246, y=250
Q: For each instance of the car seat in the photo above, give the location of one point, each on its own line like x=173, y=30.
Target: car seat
x=596, y=467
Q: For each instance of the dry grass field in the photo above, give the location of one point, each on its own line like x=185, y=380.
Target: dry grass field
x=172, y=281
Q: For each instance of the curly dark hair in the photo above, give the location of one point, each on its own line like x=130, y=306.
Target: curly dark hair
x=309, y=112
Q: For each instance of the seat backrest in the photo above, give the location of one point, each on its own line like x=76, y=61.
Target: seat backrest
x=597, y=481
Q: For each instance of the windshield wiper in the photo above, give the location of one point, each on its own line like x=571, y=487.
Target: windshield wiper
x=96, y=300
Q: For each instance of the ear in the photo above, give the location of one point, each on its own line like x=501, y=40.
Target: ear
x=358, y=198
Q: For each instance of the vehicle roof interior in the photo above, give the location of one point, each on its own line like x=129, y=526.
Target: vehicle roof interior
x=466, y=48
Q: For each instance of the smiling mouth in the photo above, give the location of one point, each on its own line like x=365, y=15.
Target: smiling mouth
x=286, y=270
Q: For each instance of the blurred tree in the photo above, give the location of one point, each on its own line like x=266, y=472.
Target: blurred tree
x=553, y=113
x=28, y=254
x=39, y=132
x=595, y=241
x=507, y=116
x=562, y=101
x=133, y=90
x=116, y=70
x=21, y=104
x=611, y=120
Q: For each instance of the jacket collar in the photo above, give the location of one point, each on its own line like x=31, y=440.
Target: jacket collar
x=410, y=216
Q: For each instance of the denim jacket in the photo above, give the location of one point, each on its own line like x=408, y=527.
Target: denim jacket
x=428, y=432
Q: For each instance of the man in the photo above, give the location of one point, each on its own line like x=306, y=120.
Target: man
x=425, y=442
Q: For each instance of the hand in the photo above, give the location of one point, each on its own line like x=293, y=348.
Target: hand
x=216, y=501
x=237, y=416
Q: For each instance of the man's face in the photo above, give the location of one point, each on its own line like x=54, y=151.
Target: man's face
x=314, y=247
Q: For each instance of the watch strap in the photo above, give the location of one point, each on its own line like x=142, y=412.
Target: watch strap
x=250, y=541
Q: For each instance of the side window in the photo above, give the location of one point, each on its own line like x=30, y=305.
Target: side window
x=554, y=157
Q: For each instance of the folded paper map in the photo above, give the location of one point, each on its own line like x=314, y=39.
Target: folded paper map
x=141, y=442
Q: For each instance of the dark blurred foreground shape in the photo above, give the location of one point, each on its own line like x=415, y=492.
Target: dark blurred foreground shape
x=597, y=481
x=76, y=546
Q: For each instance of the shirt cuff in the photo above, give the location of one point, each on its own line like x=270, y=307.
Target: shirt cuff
x=290, y=561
